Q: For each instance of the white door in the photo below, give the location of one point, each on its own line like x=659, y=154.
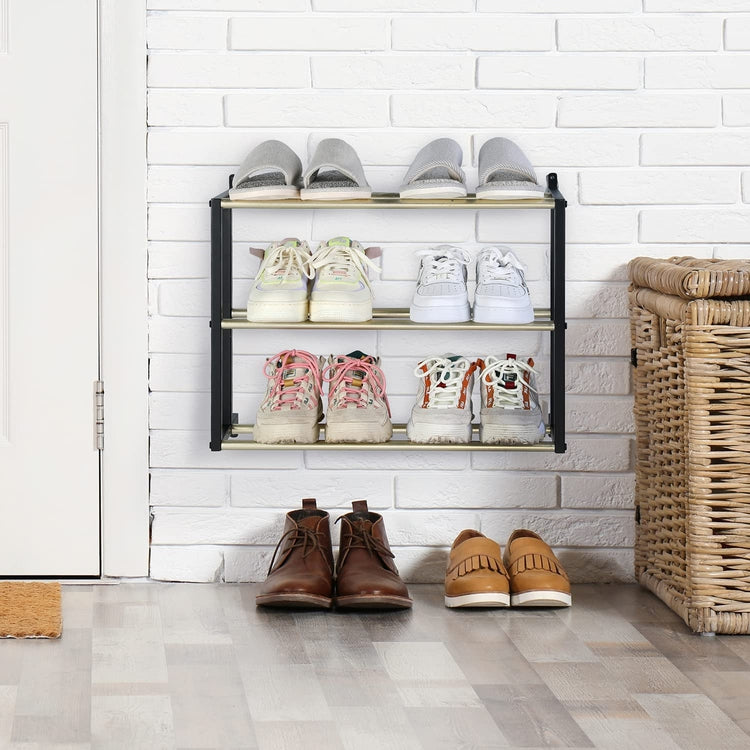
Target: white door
x=49, y=469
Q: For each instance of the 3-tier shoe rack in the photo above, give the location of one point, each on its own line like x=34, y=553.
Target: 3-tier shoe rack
x=228, y=433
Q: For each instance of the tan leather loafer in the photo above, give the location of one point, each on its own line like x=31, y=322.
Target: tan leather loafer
x=301, y=572
x=537, y=579
x=476, y=576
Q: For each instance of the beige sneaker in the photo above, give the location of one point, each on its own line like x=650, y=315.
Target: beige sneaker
x=292, y=408
x=358, y=409
x=510, y=414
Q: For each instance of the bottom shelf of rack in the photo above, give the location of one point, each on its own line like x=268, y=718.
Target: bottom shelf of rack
x=235, y=440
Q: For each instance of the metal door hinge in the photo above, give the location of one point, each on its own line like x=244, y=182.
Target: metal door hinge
x=98, y=415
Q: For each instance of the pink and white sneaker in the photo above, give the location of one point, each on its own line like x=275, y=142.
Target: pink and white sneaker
x=358, y=409
x=292, y=408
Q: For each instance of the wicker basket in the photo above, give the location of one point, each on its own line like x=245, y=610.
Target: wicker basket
x=692, y=413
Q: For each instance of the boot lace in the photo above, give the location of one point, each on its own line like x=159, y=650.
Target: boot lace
x=493, y=374
x=363, y=538
x=302, y=536
x=290, y=391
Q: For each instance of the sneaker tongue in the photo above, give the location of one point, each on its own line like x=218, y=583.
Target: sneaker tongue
x=357, y=354
x=291, y=243
x=345, y=241
x=509, y=379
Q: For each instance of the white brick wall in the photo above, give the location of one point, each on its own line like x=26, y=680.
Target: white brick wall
x=641, y=106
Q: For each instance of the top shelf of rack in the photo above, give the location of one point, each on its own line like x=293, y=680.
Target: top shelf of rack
x=391, y=200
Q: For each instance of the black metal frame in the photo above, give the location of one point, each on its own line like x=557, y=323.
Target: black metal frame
x=222, y=417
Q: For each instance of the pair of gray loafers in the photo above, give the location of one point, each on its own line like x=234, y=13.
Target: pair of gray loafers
x=505, y=172
x=272, y=171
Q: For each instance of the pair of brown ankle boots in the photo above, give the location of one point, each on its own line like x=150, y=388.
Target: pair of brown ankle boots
x=301, y=575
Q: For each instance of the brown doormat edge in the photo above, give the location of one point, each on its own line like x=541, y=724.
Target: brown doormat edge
x=30, y=610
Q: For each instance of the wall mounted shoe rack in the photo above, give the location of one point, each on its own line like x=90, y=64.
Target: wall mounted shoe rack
x=227, y=433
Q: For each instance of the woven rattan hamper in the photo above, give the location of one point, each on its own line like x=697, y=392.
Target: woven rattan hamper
x=690, y=330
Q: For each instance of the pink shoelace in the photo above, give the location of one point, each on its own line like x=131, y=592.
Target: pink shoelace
x=341, y=373
x=288, y=391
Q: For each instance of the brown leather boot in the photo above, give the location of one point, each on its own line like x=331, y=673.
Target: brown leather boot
x=366, y=576
x=301, y=571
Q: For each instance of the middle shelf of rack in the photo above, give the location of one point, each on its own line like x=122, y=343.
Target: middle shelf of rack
x=395, y=319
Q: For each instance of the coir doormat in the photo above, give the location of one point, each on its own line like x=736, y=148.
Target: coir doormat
x=30, y=610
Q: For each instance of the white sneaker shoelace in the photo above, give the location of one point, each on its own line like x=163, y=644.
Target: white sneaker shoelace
x=494, y=266
x=283, y=259
x=497, y=372
x=443, y=263
x=349, y=261
x=444, y=380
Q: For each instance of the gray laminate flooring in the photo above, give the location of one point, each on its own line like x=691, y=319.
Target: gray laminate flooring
x=198, y=666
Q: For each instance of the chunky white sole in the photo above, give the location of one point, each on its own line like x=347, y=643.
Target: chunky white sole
x=358, y=433
x=500, y=434
x=264, y=194
x=443, y=314
x=277, y=312
x=449, y=434
x=541, y=599
x=275, y=434
x=433, y=192
x=487, y=599
x=507, y=314
x=323, y=311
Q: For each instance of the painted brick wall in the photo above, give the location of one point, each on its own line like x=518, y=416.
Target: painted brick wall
x=641, y=106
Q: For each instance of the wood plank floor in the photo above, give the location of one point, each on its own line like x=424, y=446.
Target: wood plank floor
x=198, y=666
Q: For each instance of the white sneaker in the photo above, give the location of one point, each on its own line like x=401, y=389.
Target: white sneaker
x=502, y=295
x=358, y=409
x=342, y=291
x=441, y=296
x=442, y=413
x=510, y=413
x=293, y=407
x=279, y=292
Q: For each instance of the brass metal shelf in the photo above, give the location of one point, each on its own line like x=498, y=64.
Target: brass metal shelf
x=234, y=443
x=391, y=200
x=395, y=319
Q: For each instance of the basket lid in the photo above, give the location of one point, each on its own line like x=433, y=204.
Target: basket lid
x=692, y=278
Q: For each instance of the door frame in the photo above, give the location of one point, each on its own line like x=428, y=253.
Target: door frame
x=123, y=288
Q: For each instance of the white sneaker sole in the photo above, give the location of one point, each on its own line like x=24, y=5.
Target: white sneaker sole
x=506, y=314
x=443, y=314
x=488, y=599
x=275, y=434
x=449, y=434
x=340, y=312
x=541, y=599
x=277, y=312
x=500, y=434
x=358, y=433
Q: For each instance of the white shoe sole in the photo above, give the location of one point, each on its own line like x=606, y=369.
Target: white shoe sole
x=509, y=195
x=333, y=194
x=275, y=434
x=503, y=314
x=500, y=434
x=277, y=312
x=541, y=599
x=264, y=194
x=488, y=599
x=340, y=312
x=358, y=433
x=443, y=314
x=431, y=433
x=433, y=192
